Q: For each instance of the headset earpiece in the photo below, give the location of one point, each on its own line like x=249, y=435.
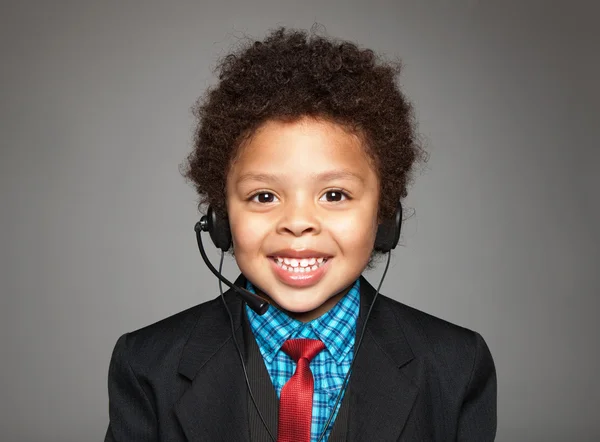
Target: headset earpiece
x=218, y=227
x=388, y=232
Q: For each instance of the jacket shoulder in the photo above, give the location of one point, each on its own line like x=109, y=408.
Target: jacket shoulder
x=163, y=341
x=438, y=340
x=423, y=324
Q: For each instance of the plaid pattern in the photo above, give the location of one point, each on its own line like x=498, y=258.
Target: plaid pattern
x=337, y=330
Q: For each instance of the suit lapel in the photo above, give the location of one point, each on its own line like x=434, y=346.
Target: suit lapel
x=381, y=389
x=215, y=406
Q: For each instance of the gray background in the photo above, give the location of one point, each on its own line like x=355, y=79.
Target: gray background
x=96, y=233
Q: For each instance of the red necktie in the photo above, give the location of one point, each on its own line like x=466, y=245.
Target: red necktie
x=295, y=403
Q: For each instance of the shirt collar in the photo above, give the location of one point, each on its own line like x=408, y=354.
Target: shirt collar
x=336, y=328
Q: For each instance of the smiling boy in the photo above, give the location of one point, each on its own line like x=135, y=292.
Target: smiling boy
x=305, y=147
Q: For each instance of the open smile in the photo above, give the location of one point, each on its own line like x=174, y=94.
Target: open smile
x=299, y=272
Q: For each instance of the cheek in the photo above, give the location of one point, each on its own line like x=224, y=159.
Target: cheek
x=248, y=234
x=354, y=231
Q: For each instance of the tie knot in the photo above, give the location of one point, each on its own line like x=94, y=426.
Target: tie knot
x=302, y=348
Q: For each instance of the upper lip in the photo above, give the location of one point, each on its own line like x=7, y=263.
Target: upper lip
x=299, y=254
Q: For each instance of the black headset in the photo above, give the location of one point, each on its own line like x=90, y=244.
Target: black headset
x=388, y=234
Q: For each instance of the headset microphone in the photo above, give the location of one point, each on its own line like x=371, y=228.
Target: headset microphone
x=255, y=302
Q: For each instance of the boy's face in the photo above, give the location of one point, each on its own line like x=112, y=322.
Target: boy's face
x=277, y=205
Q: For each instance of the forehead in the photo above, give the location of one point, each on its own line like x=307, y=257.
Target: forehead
x=306, y=147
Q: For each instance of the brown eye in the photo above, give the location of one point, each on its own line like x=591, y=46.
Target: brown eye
x=335, y=196
x=263, y=197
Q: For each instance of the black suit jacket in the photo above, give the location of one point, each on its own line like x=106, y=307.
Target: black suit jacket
x=416, y=378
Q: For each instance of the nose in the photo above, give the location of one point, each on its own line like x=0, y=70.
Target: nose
x=299, y=218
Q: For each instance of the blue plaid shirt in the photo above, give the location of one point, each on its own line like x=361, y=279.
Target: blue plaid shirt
x=337, y=330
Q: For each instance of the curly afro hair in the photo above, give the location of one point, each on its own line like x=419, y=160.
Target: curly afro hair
x=291, y=75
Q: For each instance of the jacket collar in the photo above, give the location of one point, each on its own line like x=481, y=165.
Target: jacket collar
x=381, y=389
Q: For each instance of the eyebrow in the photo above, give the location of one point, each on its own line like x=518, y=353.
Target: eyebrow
x=323, y=176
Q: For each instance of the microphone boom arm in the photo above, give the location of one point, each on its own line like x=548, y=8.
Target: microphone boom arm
x=255, y=302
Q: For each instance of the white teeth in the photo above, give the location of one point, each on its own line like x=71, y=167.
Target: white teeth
x=299, y=266
x=296, y=262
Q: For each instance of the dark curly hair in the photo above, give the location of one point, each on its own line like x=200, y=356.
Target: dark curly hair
x=290, y=75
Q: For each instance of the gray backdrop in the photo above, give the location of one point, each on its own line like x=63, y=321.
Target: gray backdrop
x=97, y=224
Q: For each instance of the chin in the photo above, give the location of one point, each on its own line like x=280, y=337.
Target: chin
x=299, y=306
